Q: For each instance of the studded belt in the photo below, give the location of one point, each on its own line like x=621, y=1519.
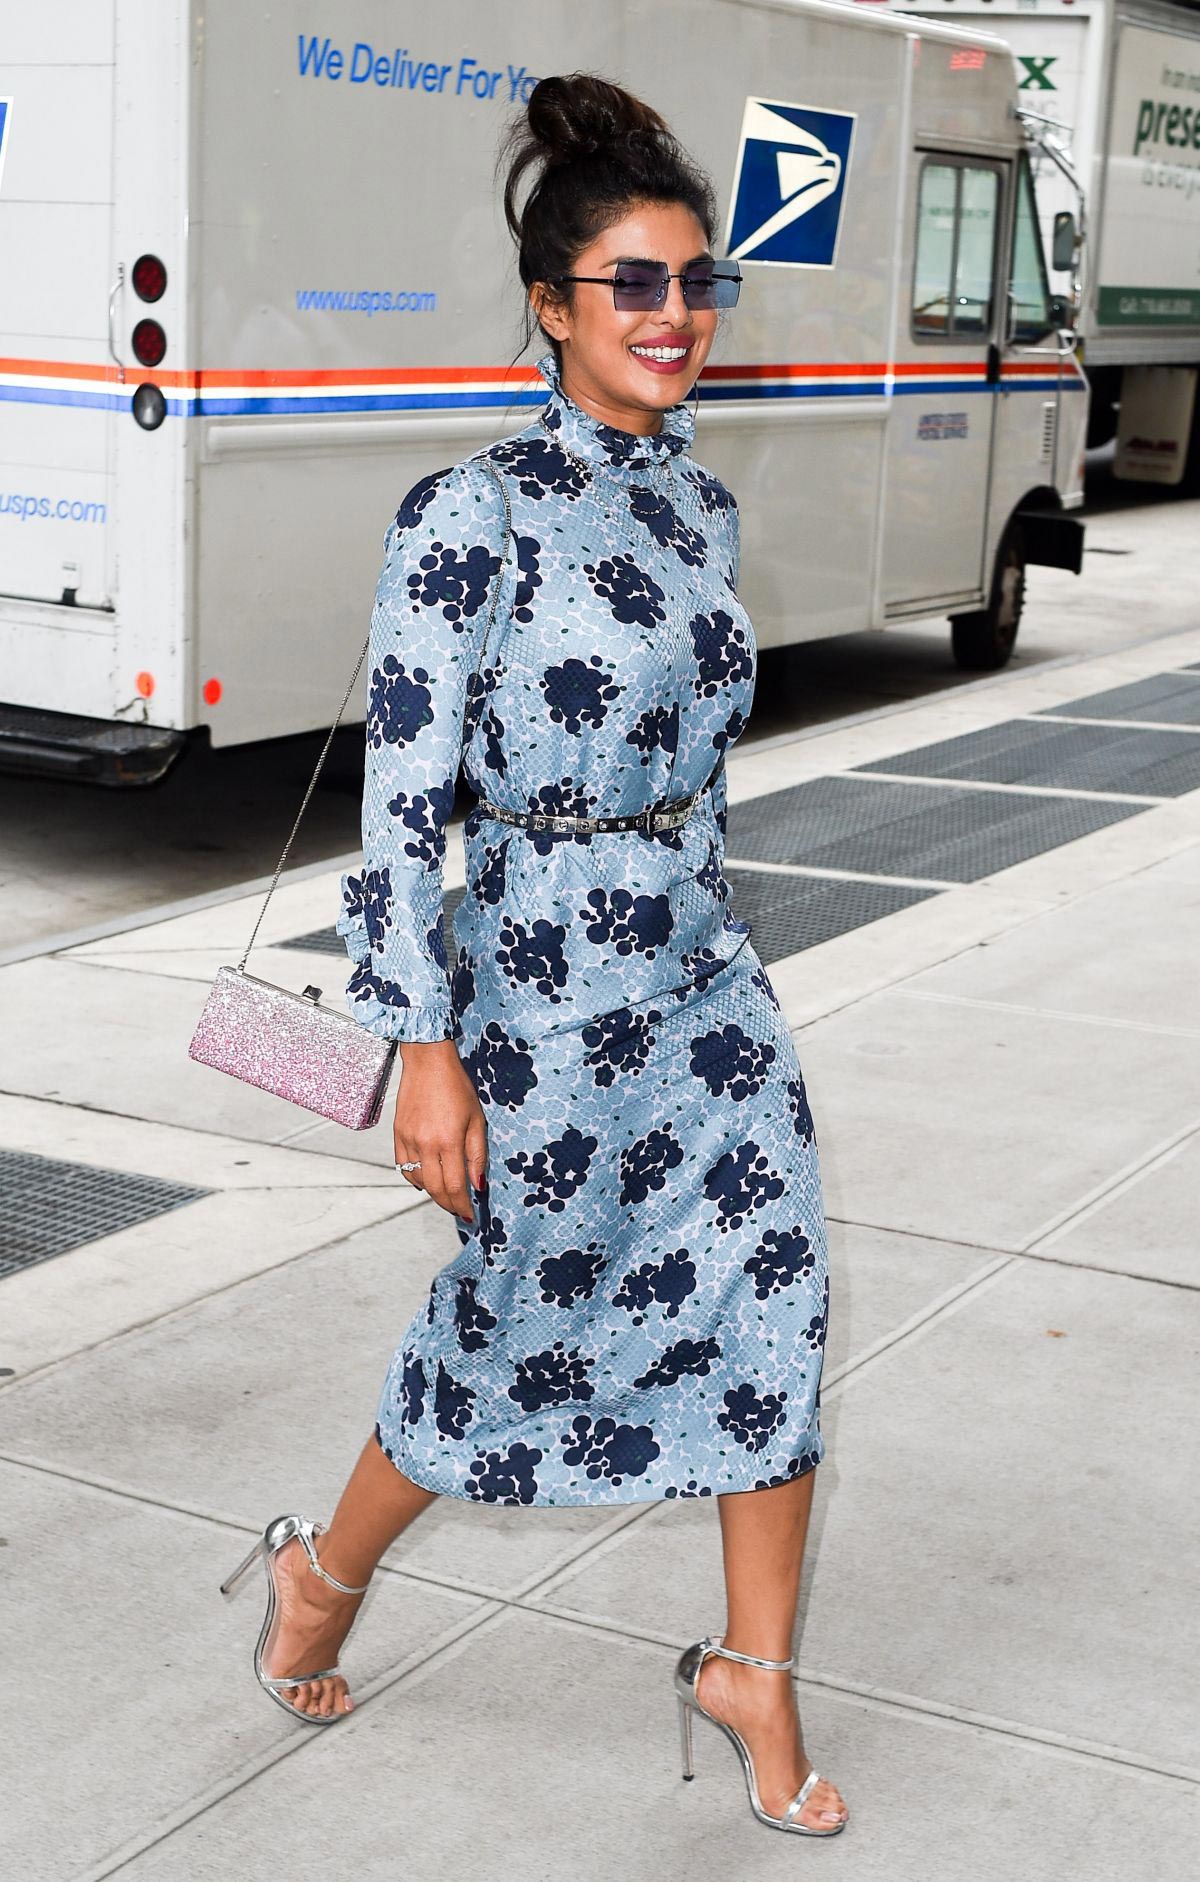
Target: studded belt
x=665, y=816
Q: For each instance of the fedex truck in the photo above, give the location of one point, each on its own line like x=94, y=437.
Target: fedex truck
x=1119, y=82
x=256, y=283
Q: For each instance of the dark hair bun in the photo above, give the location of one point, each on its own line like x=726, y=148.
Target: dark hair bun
x=593, y=151
x=578, y=115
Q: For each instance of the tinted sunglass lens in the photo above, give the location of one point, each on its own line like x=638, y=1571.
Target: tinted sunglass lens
x=637, y=288
x=699, y=288
x=727, y=286
x=712, y=287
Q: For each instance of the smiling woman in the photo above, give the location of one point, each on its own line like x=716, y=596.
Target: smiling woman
x=638, y=1307
x=617, y=204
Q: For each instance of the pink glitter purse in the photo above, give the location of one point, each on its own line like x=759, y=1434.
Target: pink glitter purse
x=288, y=1043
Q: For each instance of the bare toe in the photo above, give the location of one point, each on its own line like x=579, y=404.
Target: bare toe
x=824, y=1806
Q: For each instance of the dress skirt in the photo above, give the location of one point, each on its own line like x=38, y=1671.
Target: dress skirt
x=640, y=1313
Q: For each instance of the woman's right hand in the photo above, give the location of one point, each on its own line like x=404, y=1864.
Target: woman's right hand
x=440, y=1125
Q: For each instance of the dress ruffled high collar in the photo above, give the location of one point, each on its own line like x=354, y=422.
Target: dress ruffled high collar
x=599, y=443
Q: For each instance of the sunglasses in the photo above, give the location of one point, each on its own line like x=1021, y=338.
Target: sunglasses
x=640, y=286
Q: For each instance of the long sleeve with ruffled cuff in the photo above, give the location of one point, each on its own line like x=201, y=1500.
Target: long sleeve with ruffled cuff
x=442, y=556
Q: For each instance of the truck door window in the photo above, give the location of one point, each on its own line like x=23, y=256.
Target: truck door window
x=958, y=209
x=1030, y=286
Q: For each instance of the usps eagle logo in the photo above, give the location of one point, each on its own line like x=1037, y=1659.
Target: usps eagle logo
x=790, y=183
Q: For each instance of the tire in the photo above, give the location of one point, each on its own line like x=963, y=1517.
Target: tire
x=984, y=640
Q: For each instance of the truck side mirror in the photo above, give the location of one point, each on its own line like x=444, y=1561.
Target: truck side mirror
x=1062, y=254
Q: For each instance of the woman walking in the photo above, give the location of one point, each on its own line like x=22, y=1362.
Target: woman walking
x=637, y=1309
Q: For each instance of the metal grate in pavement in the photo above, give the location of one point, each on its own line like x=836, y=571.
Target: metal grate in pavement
x=320, y=941
x=928, y=830
x=1077, y=757
x=48, y=1206
x=790, y=913
x=1171, y=698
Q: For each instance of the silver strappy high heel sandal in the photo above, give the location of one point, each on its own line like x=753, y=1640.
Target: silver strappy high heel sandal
x=687, y=1673
x=280, y=1530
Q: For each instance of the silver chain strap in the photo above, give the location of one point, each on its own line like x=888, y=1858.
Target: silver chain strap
x=468, y=730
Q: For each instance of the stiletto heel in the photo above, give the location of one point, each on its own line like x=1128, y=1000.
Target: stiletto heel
x=231, y=1581
x=685, y=1736
x=279, y=1531
x=687, y=1673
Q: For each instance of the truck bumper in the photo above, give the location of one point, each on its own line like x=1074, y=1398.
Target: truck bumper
x=100, y=751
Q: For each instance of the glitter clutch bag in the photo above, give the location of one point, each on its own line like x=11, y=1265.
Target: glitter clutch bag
x=288, y=1043
x=291, y=1045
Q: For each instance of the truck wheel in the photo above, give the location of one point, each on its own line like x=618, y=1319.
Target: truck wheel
x=985, y=639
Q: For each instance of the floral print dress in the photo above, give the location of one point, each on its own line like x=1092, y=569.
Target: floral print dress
x=638, y=1310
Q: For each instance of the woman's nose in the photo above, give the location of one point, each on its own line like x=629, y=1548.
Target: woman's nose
x=675, y=308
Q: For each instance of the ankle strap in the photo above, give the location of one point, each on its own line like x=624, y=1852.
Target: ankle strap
x=749, y=1659
x=307, y=1535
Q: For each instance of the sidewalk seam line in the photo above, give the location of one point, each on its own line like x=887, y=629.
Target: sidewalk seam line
x=1032, y=1253
x=1072, y=792
x=1090, y=1751
x=830, y=873
x=1095, y=1197
x=1121, y=1180
x=136, y=1117
x=1057, y=716
x=1049, y=1012
x=187, y=1306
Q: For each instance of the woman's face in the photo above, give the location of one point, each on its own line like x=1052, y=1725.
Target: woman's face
x=607, y=362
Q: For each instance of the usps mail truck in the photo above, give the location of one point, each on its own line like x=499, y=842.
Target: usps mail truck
x=256, y=283
x=1119, y=81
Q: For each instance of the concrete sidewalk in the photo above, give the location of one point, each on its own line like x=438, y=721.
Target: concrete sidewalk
x=999, y=1622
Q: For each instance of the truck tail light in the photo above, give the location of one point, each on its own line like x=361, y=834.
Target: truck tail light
x=149, y=278
x=149, y=343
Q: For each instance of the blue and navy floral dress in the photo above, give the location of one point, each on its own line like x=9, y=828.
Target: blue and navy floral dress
x=639, y=1309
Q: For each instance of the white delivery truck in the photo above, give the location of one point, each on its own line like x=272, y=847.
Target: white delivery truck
x=1120, y=82
x=256, y=283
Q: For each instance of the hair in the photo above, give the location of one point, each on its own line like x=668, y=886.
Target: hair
x=597, y=151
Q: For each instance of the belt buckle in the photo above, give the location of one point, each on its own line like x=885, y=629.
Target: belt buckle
x=666, y=816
